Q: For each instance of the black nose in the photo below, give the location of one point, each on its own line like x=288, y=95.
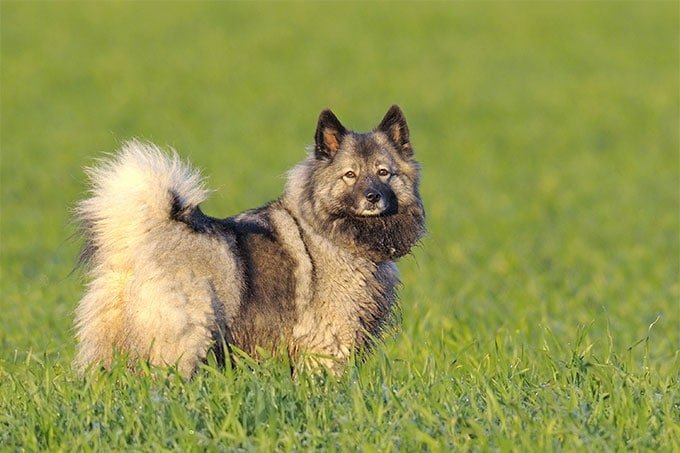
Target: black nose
x=372, y=196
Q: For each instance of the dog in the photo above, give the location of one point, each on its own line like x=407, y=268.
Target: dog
x=311, y=274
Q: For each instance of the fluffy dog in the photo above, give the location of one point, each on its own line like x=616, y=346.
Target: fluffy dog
x=311, y=274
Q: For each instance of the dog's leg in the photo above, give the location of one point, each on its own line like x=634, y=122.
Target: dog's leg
x=172, y=321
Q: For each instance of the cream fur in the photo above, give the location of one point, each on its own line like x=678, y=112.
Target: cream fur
x=138, y=301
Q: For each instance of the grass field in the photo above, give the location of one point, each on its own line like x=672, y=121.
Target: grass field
x=542, y=311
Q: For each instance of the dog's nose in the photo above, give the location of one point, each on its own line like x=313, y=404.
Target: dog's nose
x=372, y=196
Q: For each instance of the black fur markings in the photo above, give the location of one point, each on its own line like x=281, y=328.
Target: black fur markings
x=267, y=311
x=192, y=216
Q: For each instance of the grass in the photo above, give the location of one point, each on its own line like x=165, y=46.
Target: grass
x=541, y=312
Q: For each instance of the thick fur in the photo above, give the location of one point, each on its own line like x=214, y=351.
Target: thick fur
x=312, y=273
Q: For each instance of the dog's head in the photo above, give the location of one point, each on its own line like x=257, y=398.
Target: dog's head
x=364, y=187
x=369, y=174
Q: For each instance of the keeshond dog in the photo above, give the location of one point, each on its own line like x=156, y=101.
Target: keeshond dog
x=311, y=275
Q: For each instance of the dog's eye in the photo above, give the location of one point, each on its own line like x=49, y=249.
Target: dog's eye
x=382, y=172
x=350, y=174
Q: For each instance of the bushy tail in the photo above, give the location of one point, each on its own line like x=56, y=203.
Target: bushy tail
x=133, y=193
x=129, y=215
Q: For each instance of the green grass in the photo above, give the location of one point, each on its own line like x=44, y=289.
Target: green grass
x=542, y=311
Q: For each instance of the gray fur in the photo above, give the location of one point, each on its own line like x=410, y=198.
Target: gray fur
x=311, y=274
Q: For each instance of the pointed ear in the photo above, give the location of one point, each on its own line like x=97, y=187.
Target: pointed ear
x=329, y=135
x=395, y=127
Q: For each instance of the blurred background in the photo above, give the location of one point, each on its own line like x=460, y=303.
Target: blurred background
x=547, y=133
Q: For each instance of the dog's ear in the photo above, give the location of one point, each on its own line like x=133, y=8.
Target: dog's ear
x=329, y=135
x=395, y=127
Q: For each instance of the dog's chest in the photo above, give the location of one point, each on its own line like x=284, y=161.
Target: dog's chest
x=342, y=284
x=345, y=290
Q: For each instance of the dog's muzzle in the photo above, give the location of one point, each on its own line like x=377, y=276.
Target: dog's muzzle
x=373, y=203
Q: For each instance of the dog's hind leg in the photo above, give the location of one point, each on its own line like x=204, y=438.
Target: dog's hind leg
x=171, y=321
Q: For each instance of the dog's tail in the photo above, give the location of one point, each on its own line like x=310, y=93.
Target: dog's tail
x=134, y=233
x=133, y=193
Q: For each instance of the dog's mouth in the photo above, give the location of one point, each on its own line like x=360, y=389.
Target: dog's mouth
x=370, y=212
x=379, y=209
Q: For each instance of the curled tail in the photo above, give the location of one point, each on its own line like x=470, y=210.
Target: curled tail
x=134, y=192
x=132, y=209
